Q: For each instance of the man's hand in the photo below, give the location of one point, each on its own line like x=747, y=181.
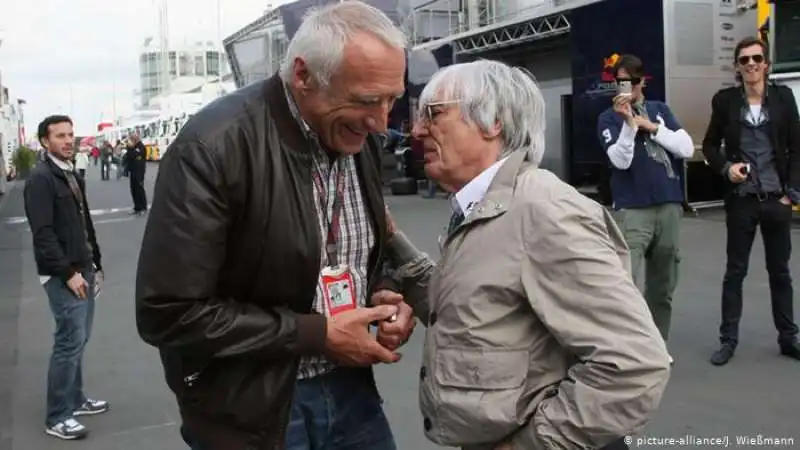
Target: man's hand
x=78, y=285
x=349, y=341
x=735, y=173
x=395, y=333
x=646, y=124
x=785, y=200
x=504, y=446
x=622, y=105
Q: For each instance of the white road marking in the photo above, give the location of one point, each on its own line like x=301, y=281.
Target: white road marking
x=115, y=220
x=106, y=221
x=95, y=212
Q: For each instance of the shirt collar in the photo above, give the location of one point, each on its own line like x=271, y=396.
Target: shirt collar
x=473, y=192
x=63, y=165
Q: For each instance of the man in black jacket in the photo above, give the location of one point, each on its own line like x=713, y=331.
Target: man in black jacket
x=759, y=124
x=68, y=261
x=136, y=165
x=265, y=242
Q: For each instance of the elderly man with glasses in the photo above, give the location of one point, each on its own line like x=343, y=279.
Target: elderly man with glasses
x=536, y=335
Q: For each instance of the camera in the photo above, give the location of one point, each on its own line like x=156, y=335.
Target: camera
x=625, y=87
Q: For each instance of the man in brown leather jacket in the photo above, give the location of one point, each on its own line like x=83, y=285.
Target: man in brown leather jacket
x=264, y=244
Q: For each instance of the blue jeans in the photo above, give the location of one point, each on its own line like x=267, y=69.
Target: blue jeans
x=73, y=318
x=337, y=411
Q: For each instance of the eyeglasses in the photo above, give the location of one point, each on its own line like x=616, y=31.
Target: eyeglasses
x=427, y=112
x=745, y=59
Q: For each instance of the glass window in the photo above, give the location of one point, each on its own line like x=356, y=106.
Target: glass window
x=786, y=37
x=185, y=65
x=199, y=66
x=212, y=63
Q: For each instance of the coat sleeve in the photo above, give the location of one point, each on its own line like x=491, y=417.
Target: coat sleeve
x=712, y=142
x=619, y=141
x=409, y=271
x=793, y=179
x=576, y=280
x=183, y=249
x=39, y=209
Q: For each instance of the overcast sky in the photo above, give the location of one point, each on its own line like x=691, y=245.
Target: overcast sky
x=77, y=56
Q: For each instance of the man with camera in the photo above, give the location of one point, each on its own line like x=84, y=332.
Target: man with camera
x=758, y=122
x=646, y=146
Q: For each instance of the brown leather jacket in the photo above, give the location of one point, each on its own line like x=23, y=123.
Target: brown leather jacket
x=229, y=264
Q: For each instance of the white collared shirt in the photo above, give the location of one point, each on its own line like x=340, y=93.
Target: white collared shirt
x=63, y=165
x=473, y=192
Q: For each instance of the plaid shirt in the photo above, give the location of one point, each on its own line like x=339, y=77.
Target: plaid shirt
x=356, y=236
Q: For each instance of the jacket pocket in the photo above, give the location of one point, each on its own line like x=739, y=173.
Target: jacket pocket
x=237, y=392
x=478, y=395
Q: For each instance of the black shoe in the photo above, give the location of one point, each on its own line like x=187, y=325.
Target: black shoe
x=723, y=355
x=791, y=350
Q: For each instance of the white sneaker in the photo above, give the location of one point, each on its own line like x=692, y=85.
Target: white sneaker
x=69, y=429
x=91, y=407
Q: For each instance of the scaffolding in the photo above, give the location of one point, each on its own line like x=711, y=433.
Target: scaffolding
x=475, y=26
x=514, y=34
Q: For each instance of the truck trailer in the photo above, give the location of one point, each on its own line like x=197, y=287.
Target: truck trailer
x=570, y=46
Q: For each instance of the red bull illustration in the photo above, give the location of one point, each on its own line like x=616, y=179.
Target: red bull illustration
x=607, y=75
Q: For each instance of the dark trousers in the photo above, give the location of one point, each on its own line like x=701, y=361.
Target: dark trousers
x=105, y=169
x=743, y=214
x=138, y=194
x=73, y=318
x=337, y=411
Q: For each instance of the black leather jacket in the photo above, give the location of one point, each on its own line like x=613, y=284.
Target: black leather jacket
x=229, y=265
x=54, y=215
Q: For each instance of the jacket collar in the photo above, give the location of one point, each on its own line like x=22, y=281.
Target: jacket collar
x=473, y=192
x=281, y=114
x=63, y=165
x=501, y=190
x=56, y=167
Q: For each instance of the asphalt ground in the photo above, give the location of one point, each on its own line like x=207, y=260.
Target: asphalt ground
x=755, y=395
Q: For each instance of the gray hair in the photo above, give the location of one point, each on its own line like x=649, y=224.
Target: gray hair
x=325, y=31
x=490, y=92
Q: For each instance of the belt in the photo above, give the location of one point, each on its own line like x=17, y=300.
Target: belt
x=763, y=196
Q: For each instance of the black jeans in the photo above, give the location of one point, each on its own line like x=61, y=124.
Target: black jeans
x=105, y=169
x=743, y=214
x=138, y=194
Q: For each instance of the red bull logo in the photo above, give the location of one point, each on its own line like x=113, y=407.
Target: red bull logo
x=607, y=75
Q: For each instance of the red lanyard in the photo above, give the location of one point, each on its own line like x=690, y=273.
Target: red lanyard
x=331, y=244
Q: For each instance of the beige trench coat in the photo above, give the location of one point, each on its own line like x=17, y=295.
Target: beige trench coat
x=535, y=332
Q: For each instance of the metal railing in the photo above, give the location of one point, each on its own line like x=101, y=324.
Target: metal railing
x=437, y=19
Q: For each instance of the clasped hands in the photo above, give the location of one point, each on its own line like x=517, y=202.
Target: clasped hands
x=349, y=341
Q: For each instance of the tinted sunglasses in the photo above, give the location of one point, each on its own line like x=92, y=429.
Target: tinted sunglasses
x=633, y=80
x=745, y=59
